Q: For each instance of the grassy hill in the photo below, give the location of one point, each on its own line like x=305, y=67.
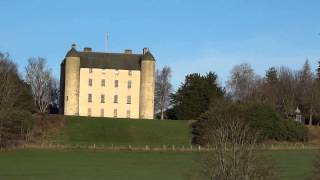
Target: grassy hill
x=108, y=131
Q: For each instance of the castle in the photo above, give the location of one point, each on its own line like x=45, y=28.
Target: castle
x=100, y=84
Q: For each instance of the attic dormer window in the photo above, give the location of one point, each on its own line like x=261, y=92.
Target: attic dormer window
x=90, y=70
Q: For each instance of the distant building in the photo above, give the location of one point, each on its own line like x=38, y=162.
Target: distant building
x=103, y=84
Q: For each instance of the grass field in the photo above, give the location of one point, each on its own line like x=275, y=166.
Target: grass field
x=84, y=165
x=107, y=131
x=90, y=164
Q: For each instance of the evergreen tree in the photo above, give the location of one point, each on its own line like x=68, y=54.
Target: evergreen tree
x=194, y=95
x=307, y=93
x=15, y=104
x=272, y=76
x=306, y=74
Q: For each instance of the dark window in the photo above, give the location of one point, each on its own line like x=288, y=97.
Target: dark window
x=90, y=82
x=129, y=84
x=103, y=82
x=130, y=73
x=90, y=70
x=128, y=99
x=89, y=97
x=115, y=99
x=102, y=98
x=115, y=113
x=116, y=83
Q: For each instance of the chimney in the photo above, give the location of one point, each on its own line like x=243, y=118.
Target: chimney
x=128, y=51
x=74, y=46
x=145, y=50
x=87, y=49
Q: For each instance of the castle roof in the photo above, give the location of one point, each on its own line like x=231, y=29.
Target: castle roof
x=110, y=60
x=72, y=53
x=148, y=56
x=103, y=60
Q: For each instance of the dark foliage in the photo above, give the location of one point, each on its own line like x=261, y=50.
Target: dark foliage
x=16, y=124
x=16, y=104
x=194, y=95
x=260, y=118
x=234, y=154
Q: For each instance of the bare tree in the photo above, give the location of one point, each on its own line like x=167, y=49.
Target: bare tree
x=234, y=155
x=39, y=78
x=287, y=90
x=307, y=90
x=242, y=82
x=163, y=90
x=7, y=86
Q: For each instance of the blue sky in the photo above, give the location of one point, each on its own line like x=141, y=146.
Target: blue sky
x=189, y=36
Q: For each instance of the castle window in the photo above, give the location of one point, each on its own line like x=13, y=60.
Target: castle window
x=89, y=111
x=116, y=72
x=89, y=98
x=128, y=99
x=102, y=98
x=90, y=70
x=90, y=82
x=129, y=84
x=128, y=113
x=115, y=99
x=103, y=71
x=130, y=72
x=115, y=113
x=101, y=112
x=103, y=82
x=116, y=83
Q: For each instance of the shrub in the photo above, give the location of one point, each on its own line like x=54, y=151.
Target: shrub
x=264, y=119
x=259, y=117
x=16, y=124
x=294, y=131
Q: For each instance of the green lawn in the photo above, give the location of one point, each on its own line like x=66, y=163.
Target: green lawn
x=84, y=165
x=108, y=131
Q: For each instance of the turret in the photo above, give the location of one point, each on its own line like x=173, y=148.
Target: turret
x=71, y=84
x=147, y=83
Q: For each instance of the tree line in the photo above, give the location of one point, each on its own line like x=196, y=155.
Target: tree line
x=282, y=88
x=21, y=97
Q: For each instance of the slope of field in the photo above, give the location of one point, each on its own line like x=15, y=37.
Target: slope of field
x=83, y=165
x=108, y=131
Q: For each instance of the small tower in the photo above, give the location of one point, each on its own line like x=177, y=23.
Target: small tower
x=147, y=83
x=71, y=82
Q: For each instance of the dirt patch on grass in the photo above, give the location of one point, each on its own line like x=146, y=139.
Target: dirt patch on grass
x=46, y=126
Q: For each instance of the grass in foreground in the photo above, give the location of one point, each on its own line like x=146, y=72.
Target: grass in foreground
x=108, y=131
x=83, y=165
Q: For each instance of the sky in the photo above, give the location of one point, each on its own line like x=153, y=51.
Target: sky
x=189, y=36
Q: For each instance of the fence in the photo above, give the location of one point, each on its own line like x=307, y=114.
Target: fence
x=166, y=148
